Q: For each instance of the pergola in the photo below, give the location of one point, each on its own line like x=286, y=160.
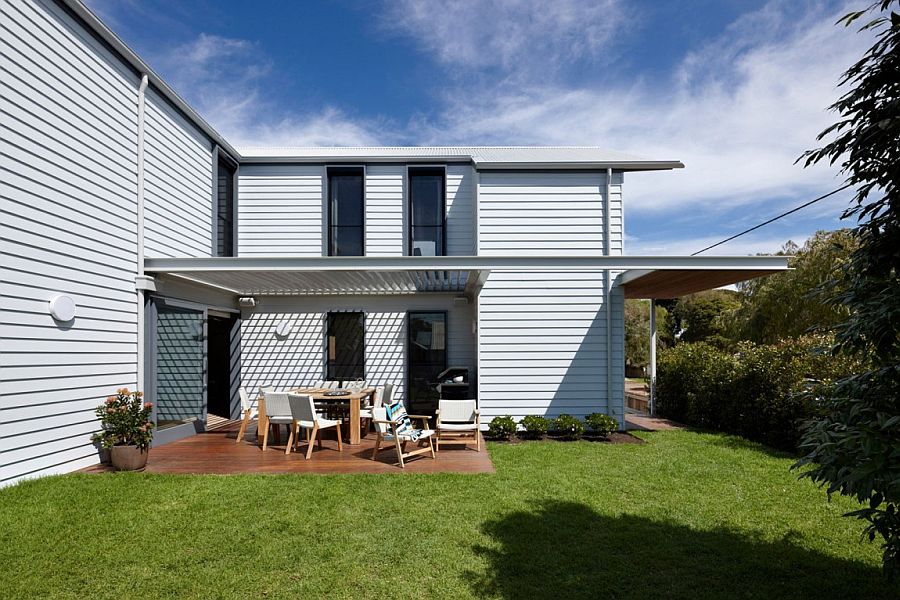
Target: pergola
x=646, y=277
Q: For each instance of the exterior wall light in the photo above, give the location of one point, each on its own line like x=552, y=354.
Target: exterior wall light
x=62, y=308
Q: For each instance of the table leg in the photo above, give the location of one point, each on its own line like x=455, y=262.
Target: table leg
x=262, y=423
x=354, y=421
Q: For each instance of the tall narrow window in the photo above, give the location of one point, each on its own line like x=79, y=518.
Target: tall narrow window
x=427, y=236
x=346, y=201
x=426, y=358
x=345, y=346
x=224, y=208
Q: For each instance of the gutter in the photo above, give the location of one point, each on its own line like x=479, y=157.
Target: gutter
x=142, y=283
x=607, y=251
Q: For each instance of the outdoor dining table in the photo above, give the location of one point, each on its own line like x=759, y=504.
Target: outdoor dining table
x=355, y=398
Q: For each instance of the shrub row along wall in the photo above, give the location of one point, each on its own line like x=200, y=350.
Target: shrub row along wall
x=754, y=392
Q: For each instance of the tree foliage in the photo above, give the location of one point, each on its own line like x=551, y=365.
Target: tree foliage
x=784, y=305
x=854, y=448
x=705, y=316
x=637, y=331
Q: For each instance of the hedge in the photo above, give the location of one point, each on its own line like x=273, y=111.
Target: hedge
x=755, y=392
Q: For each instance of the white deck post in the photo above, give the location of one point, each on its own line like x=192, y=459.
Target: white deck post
x=652, y=357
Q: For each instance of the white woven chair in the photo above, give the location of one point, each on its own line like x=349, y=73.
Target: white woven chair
x=357, y=384
x=458, y=420
x=392, y=430
x=384, y=394
x=278, y=412
x=303, y=414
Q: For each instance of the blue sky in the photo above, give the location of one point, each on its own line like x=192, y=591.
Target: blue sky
x=735, y=89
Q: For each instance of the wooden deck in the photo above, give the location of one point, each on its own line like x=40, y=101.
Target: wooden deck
x=215, y=452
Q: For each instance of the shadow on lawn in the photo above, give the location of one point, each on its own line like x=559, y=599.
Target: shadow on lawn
x=566, y=550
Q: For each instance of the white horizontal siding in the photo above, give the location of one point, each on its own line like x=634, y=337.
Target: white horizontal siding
x=540, y=213
x=298, y=359
x=178, y=179
x=460, y=210
x=67, y=225
x=550, y=358
x=385, y=223
x=280, y=210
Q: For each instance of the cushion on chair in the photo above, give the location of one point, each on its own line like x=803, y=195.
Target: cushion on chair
x=396, y=412
x=459, y=426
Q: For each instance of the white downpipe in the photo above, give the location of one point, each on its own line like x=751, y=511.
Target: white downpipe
x=607, y=250
x=652, y=357
x=140, y=231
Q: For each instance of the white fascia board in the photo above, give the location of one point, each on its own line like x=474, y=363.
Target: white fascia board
x=464, y=263
x=107, y=35
x=642, y=165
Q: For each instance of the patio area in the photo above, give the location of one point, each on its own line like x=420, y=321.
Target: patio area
x=215, y=452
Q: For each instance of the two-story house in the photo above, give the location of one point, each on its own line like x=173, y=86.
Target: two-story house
x=141, y=250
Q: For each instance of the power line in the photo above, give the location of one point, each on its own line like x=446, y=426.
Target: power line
x=764, y=223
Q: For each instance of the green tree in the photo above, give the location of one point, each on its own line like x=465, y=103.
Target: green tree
x=637, y=331
x=854, y=447
x=784, y=305
x=705, y=316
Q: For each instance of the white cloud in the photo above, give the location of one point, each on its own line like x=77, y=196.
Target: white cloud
x=737, y=111
x=758, y=244
x=518, y=37
x=224, y=78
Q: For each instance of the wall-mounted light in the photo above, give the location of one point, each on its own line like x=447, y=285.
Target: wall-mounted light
x=247, y=301
x=283, y=328
x=62, y=308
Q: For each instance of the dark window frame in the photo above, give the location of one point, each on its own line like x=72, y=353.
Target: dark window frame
x=327, y=374
x=329, y=208
x=221, y=159
x=410, y=222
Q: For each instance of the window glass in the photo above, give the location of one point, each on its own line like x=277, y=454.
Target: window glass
x=427, y=222
x=345, y=346
x=346, y=231
x=224, y=209
x=427, y=357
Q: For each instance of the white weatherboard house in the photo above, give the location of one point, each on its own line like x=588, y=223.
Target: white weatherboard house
x=194, y=267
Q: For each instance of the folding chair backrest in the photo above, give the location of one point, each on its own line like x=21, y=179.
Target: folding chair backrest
x=387, y=397
x=354, y=385
x=380, y=414
x=277, y=405
x=302, y=408
x=246, y=404
x=458, y=411
x=331, y=385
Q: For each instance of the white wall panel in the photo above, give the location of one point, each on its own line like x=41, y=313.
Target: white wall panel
x=67, y=226
x=178, y=179
x=280, y=210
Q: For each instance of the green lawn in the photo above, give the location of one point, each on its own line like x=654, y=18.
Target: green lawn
x=687, y=515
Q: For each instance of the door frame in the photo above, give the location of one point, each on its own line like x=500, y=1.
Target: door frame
x=170, y=434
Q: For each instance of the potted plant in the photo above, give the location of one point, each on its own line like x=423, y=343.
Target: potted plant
x=127, y=429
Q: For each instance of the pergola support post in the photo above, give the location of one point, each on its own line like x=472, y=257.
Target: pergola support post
x=652, y=357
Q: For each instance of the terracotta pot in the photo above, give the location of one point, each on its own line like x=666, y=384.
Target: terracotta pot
x=129, y=458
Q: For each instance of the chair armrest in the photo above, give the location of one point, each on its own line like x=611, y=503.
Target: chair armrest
x=384, y=422
x=422, y=418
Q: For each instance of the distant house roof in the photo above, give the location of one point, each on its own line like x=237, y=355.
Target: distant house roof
x=483, y=157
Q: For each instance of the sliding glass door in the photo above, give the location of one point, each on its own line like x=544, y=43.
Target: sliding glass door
x=179, y=369
x=426, y=358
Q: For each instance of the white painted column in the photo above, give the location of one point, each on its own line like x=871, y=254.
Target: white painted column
x=652, y=357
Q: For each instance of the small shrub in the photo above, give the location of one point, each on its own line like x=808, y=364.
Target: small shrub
x=568, y=427
x=535, y=426
x=601, y=424
x=502, y=427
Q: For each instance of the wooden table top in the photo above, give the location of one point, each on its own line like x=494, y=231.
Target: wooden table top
x=319, y=393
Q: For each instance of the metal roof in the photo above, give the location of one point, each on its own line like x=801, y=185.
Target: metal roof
x=328, y=275
x=483, y=157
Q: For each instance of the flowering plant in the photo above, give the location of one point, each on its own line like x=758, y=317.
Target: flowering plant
x=125, y=419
